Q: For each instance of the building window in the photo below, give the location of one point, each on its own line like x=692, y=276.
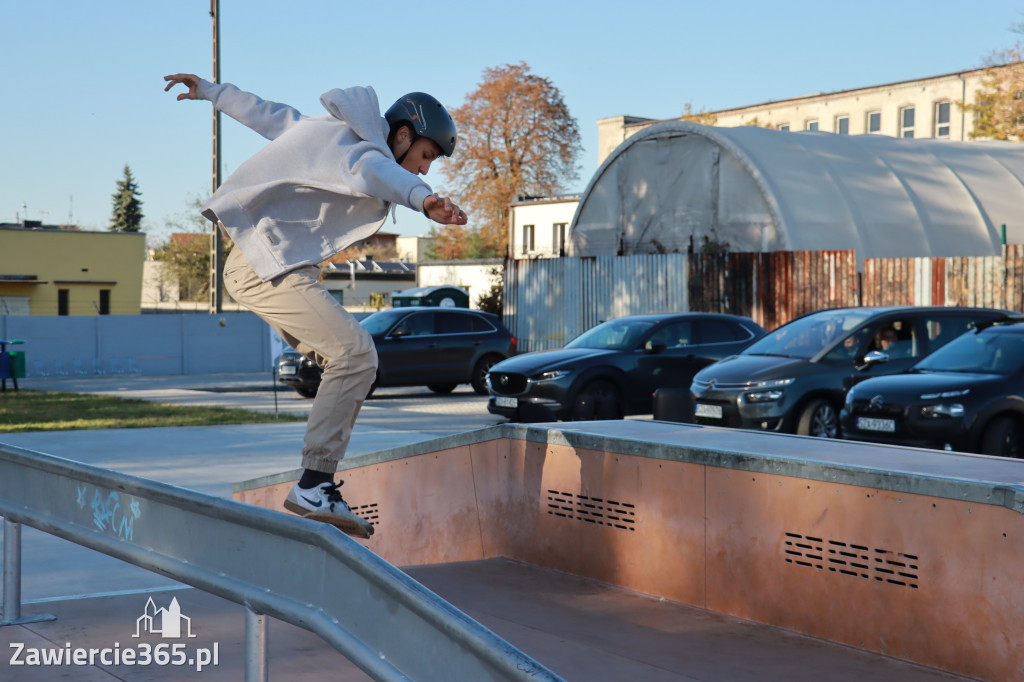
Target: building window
x=63, y=296
x=942, y=119
x=784, y=127
x=558, y=239
x=104, y=301
x=907, y=122
x=812, y=125
x=527, y=238
x=874, y=122
x=843, y=125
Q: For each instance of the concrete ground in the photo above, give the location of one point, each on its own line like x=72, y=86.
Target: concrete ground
x=580, y=629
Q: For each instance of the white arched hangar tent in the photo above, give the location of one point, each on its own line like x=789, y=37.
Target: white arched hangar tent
x=675, y=183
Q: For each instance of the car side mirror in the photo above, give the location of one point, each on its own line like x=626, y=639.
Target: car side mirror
x=399, y=333
x=874, y=357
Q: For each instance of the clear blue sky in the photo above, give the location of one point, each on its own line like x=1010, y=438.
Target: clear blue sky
x=82, y=82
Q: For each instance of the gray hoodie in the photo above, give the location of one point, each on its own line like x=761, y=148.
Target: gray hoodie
x=321, y=185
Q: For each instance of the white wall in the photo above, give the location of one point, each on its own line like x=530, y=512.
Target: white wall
x=543, y=215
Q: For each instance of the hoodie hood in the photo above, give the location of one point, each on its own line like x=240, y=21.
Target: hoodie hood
x=360, y=109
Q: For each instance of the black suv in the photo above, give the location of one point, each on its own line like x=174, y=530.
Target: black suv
x=614, y=368
x=967, y=396
x=439, y=348
x=794, y=379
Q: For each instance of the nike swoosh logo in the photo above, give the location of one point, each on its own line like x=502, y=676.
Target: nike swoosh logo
x=315, y=503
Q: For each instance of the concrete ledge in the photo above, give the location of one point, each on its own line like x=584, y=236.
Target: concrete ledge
x=973, y=478
x=910, y=553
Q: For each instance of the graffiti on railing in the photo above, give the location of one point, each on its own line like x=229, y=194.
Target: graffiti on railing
x=108, y=513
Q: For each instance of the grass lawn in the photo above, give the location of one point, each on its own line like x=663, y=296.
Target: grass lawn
x=23, y=411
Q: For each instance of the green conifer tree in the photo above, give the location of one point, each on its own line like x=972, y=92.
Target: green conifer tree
x=127, y=215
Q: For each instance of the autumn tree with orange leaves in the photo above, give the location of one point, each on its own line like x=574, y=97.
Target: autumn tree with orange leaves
x=516, y=138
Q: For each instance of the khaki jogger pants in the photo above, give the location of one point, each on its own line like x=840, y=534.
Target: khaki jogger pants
x=312, y=322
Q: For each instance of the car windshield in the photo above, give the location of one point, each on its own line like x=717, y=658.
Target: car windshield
x=613, y=335
x=808, y=336
x=380, y=322
x=986, y=352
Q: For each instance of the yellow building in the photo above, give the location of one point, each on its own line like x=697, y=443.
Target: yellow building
x=50, y=271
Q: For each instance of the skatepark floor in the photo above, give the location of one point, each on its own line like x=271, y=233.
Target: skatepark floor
x=580, y=629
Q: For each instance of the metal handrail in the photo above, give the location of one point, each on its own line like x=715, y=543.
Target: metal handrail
x=307, y=574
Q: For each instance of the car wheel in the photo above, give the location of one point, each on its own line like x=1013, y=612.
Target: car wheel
x=306, y=392
x=598, y=400
x=819, y=419
x=441, y=388
x=483, y=366
x=1002, y=439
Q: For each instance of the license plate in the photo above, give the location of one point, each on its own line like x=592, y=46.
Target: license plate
x=502, y=401
x=710, y=411
x=874, y=424
x=288, y=369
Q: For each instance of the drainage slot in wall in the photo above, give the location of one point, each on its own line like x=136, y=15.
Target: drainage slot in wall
x=596, y=510
x=370, y=512
x=858, y=561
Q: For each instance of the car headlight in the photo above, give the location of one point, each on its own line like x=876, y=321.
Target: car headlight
x=770, y=383
x=942, y=410
x=551, y=376
x=765, y=396
x=772, y=392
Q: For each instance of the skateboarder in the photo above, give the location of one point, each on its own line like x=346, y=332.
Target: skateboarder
x=322, y=184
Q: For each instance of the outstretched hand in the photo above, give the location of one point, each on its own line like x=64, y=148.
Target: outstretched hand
x=191, y=81
x=442, y=210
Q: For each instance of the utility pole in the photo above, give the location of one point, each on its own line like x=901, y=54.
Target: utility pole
x=217, y=243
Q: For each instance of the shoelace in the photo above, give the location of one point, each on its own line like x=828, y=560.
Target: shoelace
x=333, y=496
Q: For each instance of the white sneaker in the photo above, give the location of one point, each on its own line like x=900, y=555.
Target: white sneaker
x=324, y=503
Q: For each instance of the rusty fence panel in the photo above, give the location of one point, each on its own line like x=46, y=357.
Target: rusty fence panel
x=985, y=281
x=775, y=287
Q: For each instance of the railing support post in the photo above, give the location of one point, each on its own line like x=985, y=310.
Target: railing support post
x=256, y=647
x=12, y=578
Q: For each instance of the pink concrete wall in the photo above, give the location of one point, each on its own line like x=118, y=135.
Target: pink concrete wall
x=926, y=579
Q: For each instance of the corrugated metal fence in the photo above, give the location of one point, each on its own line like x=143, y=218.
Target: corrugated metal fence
x=549, y=302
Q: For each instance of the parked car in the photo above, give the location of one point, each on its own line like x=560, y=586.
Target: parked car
x=967, y=396
x=439, y=348
x=794, y=380
x=614, y=368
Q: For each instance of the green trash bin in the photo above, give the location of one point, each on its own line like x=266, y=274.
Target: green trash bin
x=17, y=364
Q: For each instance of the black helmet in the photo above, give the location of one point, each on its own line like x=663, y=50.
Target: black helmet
x=427, y=117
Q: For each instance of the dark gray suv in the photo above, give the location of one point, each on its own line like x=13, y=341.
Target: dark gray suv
x=794, y=379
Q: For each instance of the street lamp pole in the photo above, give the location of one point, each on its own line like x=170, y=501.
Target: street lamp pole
x=217, y=243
